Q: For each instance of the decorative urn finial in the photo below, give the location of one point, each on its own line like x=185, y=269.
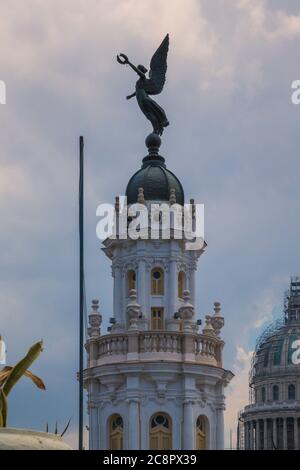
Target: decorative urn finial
x=133, y=310
x=187, y=313
x=172, y=198
x=141, y=197
x=95, y=320
x=217, y=320
x=208, y=329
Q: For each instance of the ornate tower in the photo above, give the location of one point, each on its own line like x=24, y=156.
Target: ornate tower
x=154, y=380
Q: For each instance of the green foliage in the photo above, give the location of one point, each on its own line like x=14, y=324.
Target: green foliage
x=9, y=376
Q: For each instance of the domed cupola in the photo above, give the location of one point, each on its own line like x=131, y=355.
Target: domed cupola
x=275, y=348
x=272, y=419
x=154, y=177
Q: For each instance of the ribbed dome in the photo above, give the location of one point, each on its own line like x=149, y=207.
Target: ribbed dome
x=154, y=177
x=275, y=352
x=276, y=347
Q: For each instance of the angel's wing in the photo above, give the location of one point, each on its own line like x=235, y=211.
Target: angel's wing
x=158, y=67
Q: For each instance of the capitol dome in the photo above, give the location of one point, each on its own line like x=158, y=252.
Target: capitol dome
x=154, y=177
x=272, y=419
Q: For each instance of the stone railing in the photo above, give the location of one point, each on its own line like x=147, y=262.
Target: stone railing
x=270, y=406
x=155, y=345
x=160, y=342
x=111, y=345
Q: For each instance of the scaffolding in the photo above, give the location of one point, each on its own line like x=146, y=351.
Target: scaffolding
x=292, y=301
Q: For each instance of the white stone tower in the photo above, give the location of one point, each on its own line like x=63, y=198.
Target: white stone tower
x=154, y=380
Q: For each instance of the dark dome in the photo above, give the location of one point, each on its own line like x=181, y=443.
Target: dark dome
x=154, y=177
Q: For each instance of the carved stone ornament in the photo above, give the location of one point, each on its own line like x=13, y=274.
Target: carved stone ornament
x=95, y=320
x=217, y=320
x=133, y=310
x=187, y=312
x=208, y=329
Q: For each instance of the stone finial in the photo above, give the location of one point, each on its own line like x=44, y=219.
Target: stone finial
x=141, y=197
x=133, y=310
x=95, y=320
x=217, y=320
x=153, y=142
x=172, y=198
x=208, y=329
x=187, y=313
x=95, y=306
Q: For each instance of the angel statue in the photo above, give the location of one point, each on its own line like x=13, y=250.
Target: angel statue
x=151, y=86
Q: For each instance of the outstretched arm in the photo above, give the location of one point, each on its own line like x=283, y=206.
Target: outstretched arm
x=141, y=74
x=130, y=96
x=123, y=59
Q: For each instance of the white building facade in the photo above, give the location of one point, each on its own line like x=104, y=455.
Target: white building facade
x=154, y=380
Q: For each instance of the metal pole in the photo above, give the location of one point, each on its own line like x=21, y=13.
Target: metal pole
x=81, y=292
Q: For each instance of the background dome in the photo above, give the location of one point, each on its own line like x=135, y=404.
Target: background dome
x=274, y=350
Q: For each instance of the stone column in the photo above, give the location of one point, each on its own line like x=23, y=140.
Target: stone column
x=142, y=289
x=172, y=289
x=275, y=433
x=134, y=425
x=284, y=434
x=246, y=435
x=265, y=434
x=118, y=293
x=192, y=286
x=251, y=447
x=296, y=437
x=220, y=428
x=257, y=434
x=188, y=426
x=94, y=428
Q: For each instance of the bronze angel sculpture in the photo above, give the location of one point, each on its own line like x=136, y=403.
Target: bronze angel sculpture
x=151, y=86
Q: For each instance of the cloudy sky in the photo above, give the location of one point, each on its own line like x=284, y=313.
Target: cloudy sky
x=233, y=141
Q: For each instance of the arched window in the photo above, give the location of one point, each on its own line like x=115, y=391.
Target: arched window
x=160, y=432
x=181, y=284
x=157, y=281
x=291, y=392
x=131, y=280
x=201, y=433
x=263, y=394
x=115, y=432
x=275, y=393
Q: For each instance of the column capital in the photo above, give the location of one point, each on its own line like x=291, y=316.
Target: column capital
x=130, y=400
x=189, y=401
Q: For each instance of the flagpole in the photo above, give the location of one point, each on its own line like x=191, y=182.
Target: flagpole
x=81, y=289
